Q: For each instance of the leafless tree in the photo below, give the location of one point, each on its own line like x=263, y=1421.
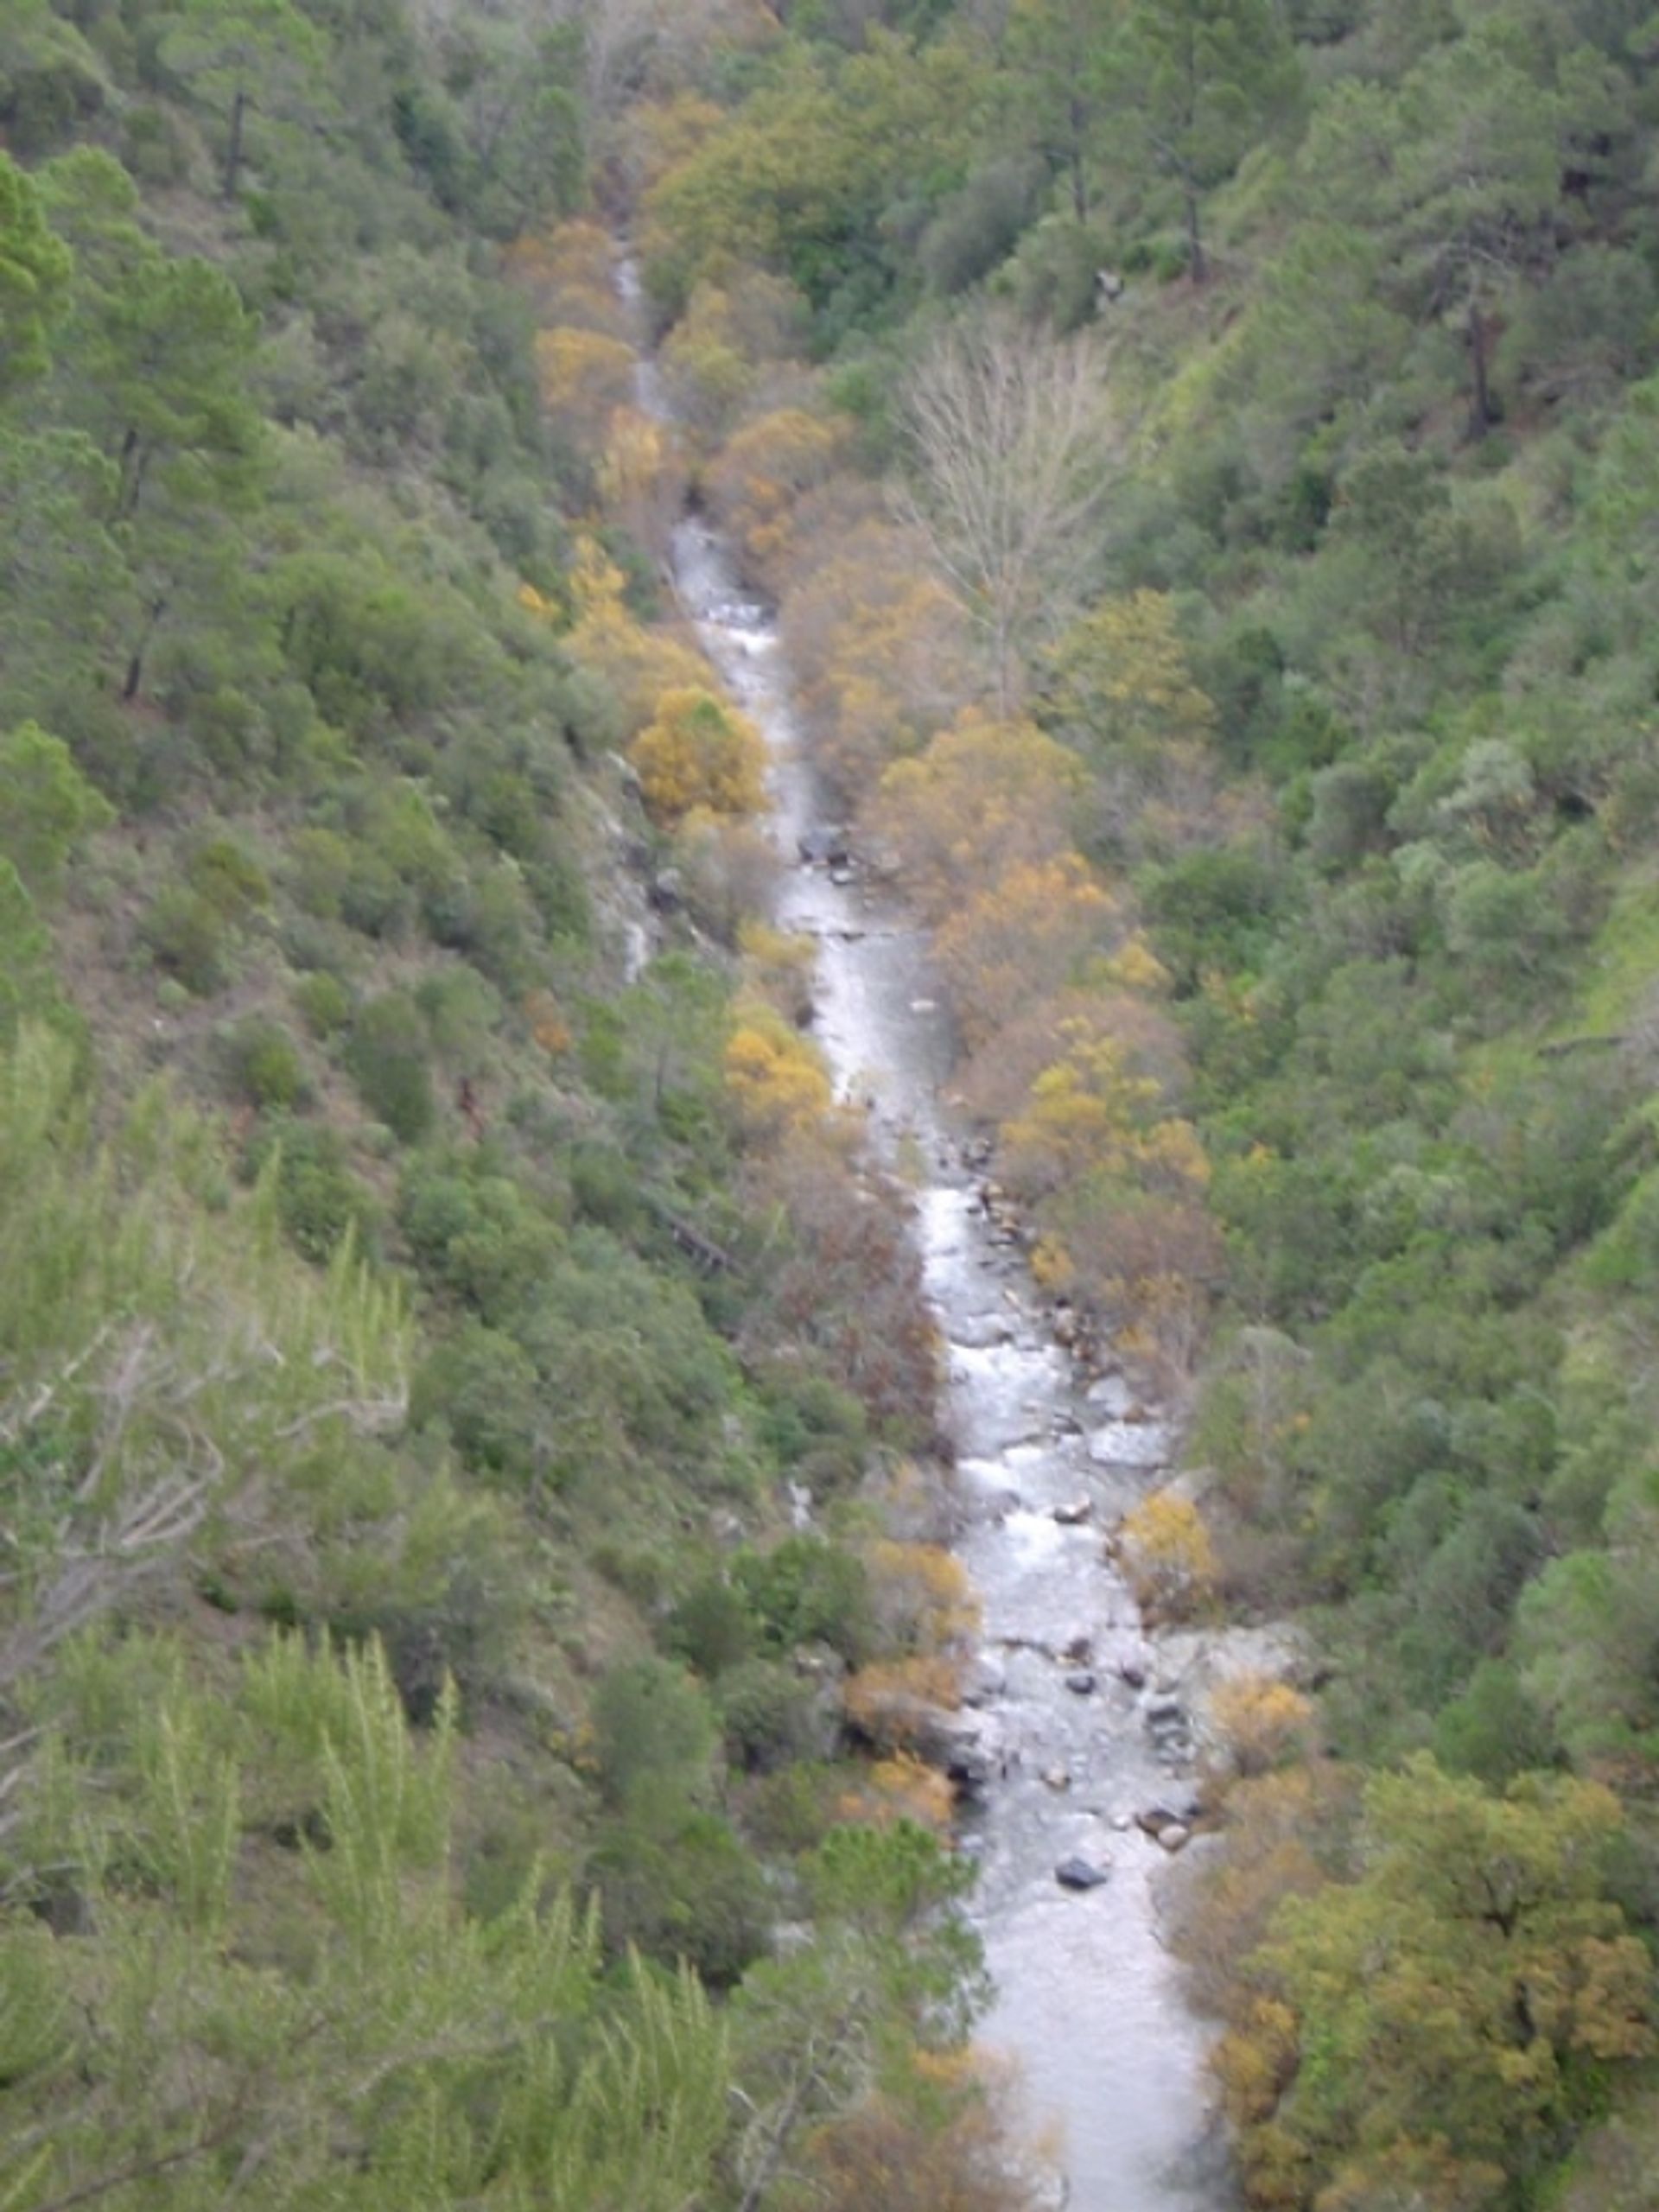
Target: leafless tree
x=1014, y=447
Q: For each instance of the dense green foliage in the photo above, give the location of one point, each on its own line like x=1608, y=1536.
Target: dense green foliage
x=405, y=1338
x=393, y=1256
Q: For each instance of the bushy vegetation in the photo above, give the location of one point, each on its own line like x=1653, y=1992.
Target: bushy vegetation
x=1209, y=504
x=417, y=1292
x=1203, y=454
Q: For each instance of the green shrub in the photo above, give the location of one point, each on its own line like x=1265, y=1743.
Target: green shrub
x=768, y=1716
x=684, y=1888
x=652, y=1726
x=807, y=1591
x=189, y=936
x=387, y=1057
x=229, y=877
x=318, y=1197
x=263, y=1065
x=49, y=806
x=323, y=1002
x=485, y=1391
x=477, y=1235
x=711, y=1627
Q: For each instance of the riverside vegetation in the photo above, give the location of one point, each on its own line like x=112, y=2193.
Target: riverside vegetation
x=1203, y=455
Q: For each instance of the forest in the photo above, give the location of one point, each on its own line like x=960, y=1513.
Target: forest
x=1204, y=455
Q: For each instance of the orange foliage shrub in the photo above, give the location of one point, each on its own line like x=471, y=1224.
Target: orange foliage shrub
x=697, y=752
x=716, y=354
x=546, y=1025
x=1167, y=1555
x=876, y=643
x=984, y=798
x=569, y=274
x=1091, y=1113
x=1019, y=940
x=893, y=1702
x=955, y=2146
x=848, y=1285
x=997, y=1080
x=756, y=480
x=1261, y=1721
x=1280, y=1829
x=1149, y=1259
x=900, y=1788
x=778, y=964
x=639, y=665
x=641, y=477
x=585, y=378
x=922, y=1598
x=775, y=1077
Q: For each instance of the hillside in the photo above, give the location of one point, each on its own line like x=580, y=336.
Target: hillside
x=1203, y=455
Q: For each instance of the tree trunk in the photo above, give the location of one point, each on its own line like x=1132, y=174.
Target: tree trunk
x=233, y=151
x=1079, y=182
x=1199, y=266
x=136, y=661
x=1481, y=412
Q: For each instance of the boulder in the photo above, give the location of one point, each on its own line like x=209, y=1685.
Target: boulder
x=1152, y=1819
x=1081, y=1874
x=1073, y=1513
x=1082, y=1683
x=1175, y=1837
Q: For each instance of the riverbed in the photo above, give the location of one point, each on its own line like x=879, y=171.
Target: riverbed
x=1089, y=2005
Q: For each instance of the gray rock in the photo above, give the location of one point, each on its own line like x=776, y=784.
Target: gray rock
x=1081, y=1874
x=1081, y=1684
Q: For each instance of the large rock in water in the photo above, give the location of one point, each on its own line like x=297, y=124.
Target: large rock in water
x=968, y=1746
x=1081, y=1874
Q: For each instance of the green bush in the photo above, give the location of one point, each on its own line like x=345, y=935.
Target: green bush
x=711, y=1627
x=229, y=877
x=263, y=1065
x=807, y=1591
x=684, y=1888
x=768, y=1716
x=323, y=1002
x=485, y=1391
x=653, y=1727
x=318, y=1197
x=189, y=936
x=387, y=1057
x=49, y=806
x=479, y=1236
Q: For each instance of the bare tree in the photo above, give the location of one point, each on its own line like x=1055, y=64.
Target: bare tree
x=1014, y=448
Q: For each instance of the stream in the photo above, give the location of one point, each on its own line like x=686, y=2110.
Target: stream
x=1089, y=2005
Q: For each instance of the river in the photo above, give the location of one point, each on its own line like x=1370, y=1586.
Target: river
x=1088, y=2004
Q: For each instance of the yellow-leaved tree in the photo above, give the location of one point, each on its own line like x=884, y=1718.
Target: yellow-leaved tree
x=586, y=377
x=985, y=797
x=636, y=664
x=757, y=479
x=1020, y=940
x=697, y=752
x=1167, y=1555
x=775, y=1077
